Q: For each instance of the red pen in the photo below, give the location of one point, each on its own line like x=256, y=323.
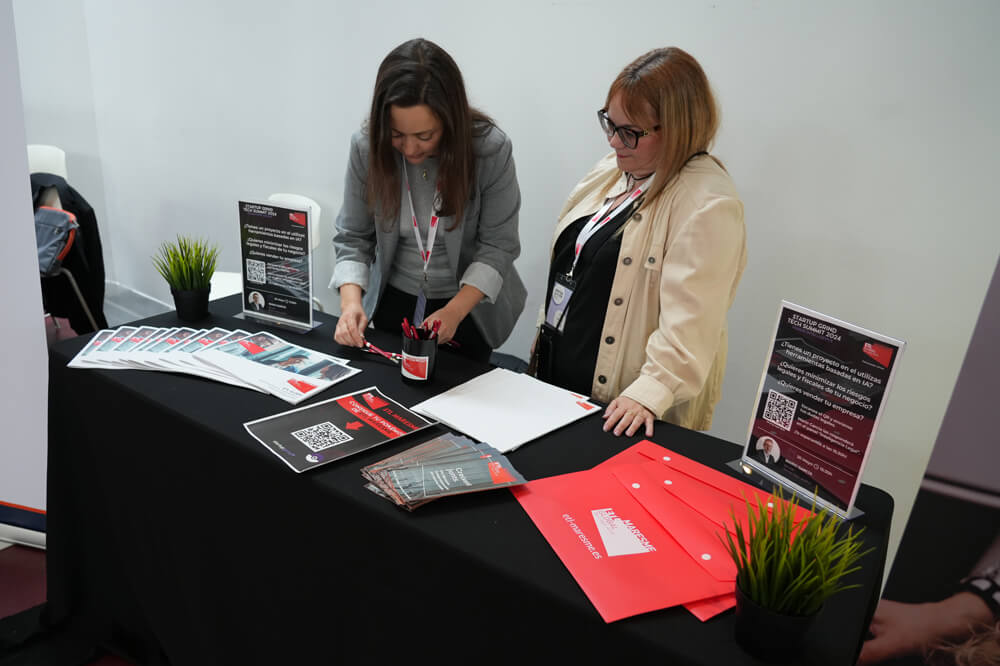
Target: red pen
x=375, y=350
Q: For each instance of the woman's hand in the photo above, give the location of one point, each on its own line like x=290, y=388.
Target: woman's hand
x=626, y=415
x=449, y=323
x=452, y=314
x=910, y=629
x=353, y=320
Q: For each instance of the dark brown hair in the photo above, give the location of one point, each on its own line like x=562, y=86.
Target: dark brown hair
x=672, y=85
x=421, y=72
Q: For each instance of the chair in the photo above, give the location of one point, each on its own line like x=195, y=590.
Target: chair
x=47, y=159
x=227, y=283
x=299, y=201
x=50, y=159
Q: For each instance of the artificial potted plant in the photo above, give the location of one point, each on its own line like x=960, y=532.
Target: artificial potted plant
x=785, y=572
x=188, y=265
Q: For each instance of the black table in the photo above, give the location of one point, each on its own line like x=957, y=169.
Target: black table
x=176, y=536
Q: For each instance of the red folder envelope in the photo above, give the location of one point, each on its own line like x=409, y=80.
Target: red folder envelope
x=623, y=559
x=640, y=532
x=710, y=493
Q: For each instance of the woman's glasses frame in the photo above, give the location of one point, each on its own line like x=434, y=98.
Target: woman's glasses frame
x=629, y=136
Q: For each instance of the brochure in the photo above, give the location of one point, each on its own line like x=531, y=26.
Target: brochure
x=311, y=436
x=272, y=364
x=447, y=465
x=258, y=361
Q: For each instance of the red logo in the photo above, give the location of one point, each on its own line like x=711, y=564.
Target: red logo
x=498, y=474
x=374, y=401
x=880, y=353
x=251, y=347
x=297, y=218
x=305, y=387
x=415, y=367
x=354, y=425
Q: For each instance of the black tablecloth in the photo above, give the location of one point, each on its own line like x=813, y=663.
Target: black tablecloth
x=174, y=534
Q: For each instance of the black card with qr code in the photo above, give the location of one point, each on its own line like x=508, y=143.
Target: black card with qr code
x=334, y=429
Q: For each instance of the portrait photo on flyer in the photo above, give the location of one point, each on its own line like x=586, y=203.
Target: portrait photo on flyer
x=822, y=392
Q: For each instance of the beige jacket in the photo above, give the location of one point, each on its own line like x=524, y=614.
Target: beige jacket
x=682, y=255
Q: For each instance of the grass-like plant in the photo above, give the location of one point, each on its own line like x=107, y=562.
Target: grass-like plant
x=792, y=569
x=188, y=264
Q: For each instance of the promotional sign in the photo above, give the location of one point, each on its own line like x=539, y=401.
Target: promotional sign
x=819, y=403
x=277, y=263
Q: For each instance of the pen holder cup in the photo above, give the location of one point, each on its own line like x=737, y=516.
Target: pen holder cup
x=419, y=358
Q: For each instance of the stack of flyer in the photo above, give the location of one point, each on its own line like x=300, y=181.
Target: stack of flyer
x=259, y=361
x=447, y=465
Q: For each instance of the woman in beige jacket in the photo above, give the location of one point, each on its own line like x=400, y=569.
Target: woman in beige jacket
x=646, y=257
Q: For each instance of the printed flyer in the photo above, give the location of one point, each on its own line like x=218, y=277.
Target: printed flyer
x=818, y=407
x=333, y=429
x=276, y=263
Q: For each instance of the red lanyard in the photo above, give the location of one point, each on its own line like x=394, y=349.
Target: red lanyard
x=425, y=255
x=602, y=217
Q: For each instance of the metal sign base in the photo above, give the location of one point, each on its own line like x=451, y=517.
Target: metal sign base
x=767, y=483
x=266, y=321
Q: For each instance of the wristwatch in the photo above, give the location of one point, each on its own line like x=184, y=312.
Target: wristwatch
x=986, y=585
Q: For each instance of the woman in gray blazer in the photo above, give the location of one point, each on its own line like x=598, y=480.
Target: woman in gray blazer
x=430, y=211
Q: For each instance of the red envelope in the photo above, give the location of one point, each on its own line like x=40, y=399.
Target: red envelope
x=706, y=609
x=693, y=504
x=698, y=536
x=623, y=559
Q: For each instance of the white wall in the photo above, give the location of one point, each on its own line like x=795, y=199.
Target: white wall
x=861, y=135
x=23, y=363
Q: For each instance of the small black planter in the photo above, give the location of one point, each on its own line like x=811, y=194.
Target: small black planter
x=769, y=636
x=191, y=304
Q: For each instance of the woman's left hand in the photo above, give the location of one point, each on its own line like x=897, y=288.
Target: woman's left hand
x=452, y=314
x=626, y=415
x=449, y=323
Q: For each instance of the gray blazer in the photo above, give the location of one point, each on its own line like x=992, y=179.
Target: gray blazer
x=481, y=250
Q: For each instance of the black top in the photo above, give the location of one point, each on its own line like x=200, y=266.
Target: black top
x=568, y=360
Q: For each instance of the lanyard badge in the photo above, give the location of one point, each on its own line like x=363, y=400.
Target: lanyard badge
x=425, y=254
x=562, y=291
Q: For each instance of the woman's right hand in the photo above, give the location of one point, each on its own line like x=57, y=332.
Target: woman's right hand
x=353, y=321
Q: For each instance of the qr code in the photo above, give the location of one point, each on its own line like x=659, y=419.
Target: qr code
x=321, y=436
x=780, y=409
x=256, y=271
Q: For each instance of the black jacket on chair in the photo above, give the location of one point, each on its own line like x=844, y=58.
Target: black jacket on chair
x=85, y=260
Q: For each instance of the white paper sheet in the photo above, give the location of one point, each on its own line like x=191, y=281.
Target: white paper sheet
x=506, y=409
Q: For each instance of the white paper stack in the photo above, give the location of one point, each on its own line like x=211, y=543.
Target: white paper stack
x=506, y=409
x=259, y=361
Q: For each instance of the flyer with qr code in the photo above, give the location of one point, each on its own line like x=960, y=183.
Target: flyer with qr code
x=821, y=396
x=312, y=436
x=277, y=263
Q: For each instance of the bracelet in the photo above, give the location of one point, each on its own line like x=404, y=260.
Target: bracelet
x=986, y=586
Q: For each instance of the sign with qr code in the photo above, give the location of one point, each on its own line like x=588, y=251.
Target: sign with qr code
x=277, y=260
x=311, y=436
x=820, y=399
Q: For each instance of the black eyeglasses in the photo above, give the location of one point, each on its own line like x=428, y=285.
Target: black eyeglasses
x=628, y=135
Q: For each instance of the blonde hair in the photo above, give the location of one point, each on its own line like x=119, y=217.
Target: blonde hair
x=981, y=649
x=673, y=85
